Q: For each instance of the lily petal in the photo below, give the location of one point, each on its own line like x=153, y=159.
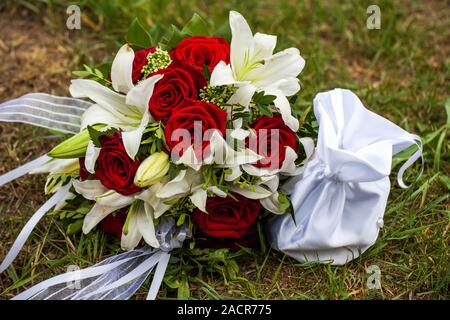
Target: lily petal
x=140, y=95
x=61, y=204
x=122, y=69
x=282, y=65
x=308, y=146
x=57, y=166
x=97, y=114
x=131, y=240
x=97, y=214
x=179, y=185
x=217, y=191
x=271, y=182
x=282, y=104
x=258, y=192
x=241, y=41
x=110, y=100
x=288, y=167
x=264, y=44
x=89, y=189
x=92, y=153
x=222, y=75
x=112, y=198
x=149, y=196
x=146, y=226
x=189, y=159
x=198, y=198
x=132, y=139
x=235, y=173
x=243, y=95
x=272, y=204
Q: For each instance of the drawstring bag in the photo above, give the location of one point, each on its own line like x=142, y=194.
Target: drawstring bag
x=340, y=199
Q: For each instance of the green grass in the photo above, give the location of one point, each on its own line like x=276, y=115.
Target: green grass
x=400, y=71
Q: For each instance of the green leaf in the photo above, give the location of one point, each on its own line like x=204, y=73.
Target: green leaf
x=171, y=281
x=183, y=289
x=81, y=73
x=95, y=134
x=264, y=110
x=74, y=227
x=269, y=99
x=181, y=220
x=138, y=36
x=445, y=180
x=206, y=72
x=196, y=26
x=447, y=110
x=173, y=39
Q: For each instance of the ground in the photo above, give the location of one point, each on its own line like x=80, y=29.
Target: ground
x=400, y=71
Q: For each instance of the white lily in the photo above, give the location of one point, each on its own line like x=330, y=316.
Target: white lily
x=140, y=220
x=159, y=204
x=128, y=112
x=58, y=166
x=254, y=67
x=139, y=225
x=219, y=152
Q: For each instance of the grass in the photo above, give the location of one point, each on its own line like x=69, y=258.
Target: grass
x=400, y=71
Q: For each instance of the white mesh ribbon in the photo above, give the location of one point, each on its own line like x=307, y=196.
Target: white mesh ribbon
x=340, y=199
x=118, y=277
x=44, y=110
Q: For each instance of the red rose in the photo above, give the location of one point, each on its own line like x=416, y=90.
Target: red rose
x=194, y=118
x=113, y=223
x=227, y=217
x=180, y=82
x=140, y=60
x=84, y=174
x=272, y=136
x=115, y=169
x=199, y=51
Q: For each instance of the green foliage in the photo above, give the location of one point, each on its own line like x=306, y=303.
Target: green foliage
x=153, y=140
x=137, y=36
x=262, y=105
x=217, y=95
x=194, y=27
x=95, y=134
x=73, y=214
x=96, y=74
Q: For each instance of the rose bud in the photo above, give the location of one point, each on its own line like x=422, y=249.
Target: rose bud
x=152, y=169
x=75, y=146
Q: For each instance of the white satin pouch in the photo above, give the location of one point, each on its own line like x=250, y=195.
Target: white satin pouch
x=340, y=199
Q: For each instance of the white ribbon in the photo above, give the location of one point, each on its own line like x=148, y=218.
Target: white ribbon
x=118, y=277
x=50, y=288
x=44, y=110
x=340, y=199
x=26, y=231
x=23, y=170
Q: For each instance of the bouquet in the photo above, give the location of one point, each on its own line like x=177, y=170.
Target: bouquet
x=191, y=142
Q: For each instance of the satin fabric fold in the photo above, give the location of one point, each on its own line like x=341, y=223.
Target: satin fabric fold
x=340, y=199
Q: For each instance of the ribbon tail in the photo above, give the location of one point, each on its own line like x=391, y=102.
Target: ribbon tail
x=23, y=170
x=159, y=276
x=116, y=278
x=46, y=111
x=418, y=154
x=26, y=231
